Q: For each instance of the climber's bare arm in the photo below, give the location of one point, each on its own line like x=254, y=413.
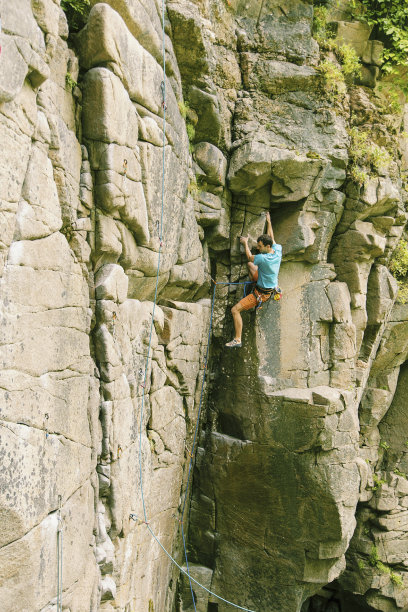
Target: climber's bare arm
x=269, y=229
x=248, y=253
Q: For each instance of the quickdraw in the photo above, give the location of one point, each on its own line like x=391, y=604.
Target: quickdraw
x=163, y=92
x=277, y=294
x=158, y=234
x=136, y=519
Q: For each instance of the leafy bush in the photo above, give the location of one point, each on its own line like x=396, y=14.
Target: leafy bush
x=333, y=82
x=190, y=131
x=358, y=175
x=396, y=579
x=378, y=483
x=350, y=62
x=183, y=108
x=399, y=268
x=324, y=33
x=77, y=12
x=367, y=157
x=389, y=19
x=373, y=559
x=399, y=261
x=70, y=83
x=402, y=297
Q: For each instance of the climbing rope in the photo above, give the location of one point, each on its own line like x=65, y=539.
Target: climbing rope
x=159, y=226
x=59, y=556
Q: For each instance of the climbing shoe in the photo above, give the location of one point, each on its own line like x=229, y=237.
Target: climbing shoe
x=234, y=344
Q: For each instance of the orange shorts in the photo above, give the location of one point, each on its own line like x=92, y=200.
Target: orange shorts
x=250, y=301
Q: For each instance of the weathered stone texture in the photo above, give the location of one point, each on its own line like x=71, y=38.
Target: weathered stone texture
x=299, y=466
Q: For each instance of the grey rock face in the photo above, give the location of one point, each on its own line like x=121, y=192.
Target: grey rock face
x=298, y=474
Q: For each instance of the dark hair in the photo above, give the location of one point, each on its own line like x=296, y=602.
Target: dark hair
x=265, y=239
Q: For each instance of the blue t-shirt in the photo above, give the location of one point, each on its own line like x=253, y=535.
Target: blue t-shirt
x=268, y=267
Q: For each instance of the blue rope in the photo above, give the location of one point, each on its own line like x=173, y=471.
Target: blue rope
x=187, y=573
x=183, y=571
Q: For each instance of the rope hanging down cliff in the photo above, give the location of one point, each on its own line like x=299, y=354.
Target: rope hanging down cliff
x=132, y=516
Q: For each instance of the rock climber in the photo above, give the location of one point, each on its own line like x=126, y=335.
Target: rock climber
x=263, y=269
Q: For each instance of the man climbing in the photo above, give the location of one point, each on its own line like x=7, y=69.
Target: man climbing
x=263, y=269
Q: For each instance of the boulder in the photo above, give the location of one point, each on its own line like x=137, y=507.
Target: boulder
x=212, y=161
x=108, y=114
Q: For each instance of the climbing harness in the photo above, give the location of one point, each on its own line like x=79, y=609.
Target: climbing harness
x=275, y=293
x=59, y=556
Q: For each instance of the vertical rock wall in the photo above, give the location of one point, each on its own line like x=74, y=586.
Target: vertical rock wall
x=81, y=181
x=300, y=477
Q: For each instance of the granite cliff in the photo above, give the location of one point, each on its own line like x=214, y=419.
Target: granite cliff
x=299, y=496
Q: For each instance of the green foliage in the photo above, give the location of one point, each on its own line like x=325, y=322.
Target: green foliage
x=396, y=579
x=183, y=108
x=190, y=118
x=367, y=158
x=384, y=445
x=373, y=559
x=378, y=482
x=322, y=31
x=389, y=99
x=191, y=135
x=312, y=155
x=384, y=569
x=399, y=260
x=402, y=297
x=335, y=77
x=358, y=175
x=389, y=19
x=361, y=564
x=350, y=62
x=193, y=188
x=77, y=12
x=399, y=268
x=333, y=82
x=190, y=131
x=70, y=83
x=319, y=19
x=319, y=22
x=399, y=473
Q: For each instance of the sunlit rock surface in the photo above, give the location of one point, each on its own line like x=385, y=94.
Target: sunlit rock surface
x=298, y=493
